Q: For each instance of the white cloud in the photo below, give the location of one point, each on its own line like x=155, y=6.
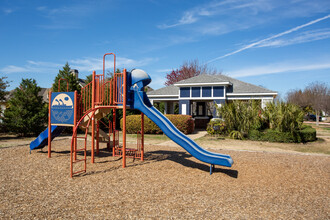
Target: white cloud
x=7, y=11
x=82, y=65
x=163, y=70
x=32, y=67
x=229, y=8
x=260, y=42
x=65, y=17
x=307, y=36
x=13, y=69
x=157, y=81
x=91, y=64
x=276, y=68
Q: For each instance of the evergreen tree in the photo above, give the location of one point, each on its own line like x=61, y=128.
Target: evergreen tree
x=3, y=85
x=26, y=113
x=65, y=73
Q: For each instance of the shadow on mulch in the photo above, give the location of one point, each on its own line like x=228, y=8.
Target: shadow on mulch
x=149, y=157
x=183, y=159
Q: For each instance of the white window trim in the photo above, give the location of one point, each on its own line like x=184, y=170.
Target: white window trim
x=202, y=84
x=201, y=94
x=246, y=94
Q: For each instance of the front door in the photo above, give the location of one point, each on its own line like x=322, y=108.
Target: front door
x=200, y=108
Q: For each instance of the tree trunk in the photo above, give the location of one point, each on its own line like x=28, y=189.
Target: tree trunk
x=317, y=117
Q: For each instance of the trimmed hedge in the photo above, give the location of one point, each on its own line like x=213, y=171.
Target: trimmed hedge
x=184, y=123
x=306, y=134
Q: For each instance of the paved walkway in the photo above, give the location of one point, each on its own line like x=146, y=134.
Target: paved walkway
x=195, y=135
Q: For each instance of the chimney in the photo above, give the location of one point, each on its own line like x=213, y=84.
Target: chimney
x=75, y=73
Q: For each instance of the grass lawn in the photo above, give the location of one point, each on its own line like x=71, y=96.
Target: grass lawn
x=322, y=145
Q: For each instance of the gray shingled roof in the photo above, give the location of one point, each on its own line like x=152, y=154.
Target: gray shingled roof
x=168, y=90
x=237, y=85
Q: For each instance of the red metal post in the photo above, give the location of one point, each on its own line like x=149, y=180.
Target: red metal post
x=59, y=84
x=109, y=127
x=114, y=63
x=75, y=122
x=142, y=136
x=97, y=137
x=49, y=124
x=113, y=131
x=124, y=118
x=93, y=116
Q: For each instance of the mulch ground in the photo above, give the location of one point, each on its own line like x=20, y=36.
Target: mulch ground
x=168, y=184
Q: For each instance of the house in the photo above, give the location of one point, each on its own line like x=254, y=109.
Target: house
x=197, y=96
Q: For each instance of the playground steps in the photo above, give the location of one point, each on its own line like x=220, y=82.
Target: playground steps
x=103, y=138
x=99, y=114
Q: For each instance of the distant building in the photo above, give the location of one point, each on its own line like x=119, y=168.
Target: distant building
x=197, y=96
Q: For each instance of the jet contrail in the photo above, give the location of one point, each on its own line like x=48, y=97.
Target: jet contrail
x=269, y=38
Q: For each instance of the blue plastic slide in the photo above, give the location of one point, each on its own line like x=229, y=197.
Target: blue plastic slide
x=142, y=103
x=42, y=139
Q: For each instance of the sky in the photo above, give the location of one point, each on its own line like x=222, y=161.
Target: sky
x=281, y=45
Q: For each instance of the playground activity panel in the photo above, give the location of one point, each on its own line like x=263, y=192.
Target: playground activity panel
x=98, y=99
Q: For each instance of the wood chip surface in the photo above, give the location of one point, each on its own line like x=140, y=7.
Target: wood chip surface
x=169, y=184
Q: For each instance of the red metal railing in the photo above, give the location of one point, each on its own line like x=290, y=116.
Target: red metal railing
x=86, y=97
x=99, y=94
x=119, y=88
x=108, y=93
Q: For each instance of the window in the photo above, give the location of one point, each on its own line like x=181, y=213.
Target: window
x=206, y=92
x=218, y=91
x=185, y=92
x=196, y=91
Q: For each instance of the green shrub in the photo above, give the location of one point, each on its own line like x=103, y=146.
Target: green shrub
x=236, y=135
x=277, y=136
x=283, y=117
x=308, y=134
x=133, y=124
x=254, y=135
x=216, y=127
x=242, y=116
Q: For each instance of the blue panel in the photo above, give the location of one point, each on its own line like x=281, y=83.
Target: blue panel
x=62, y=108
x=218, y=101
x=218, y=91
x=187, y=102
x=196, y=92
x=206, y=91
x=185, y=92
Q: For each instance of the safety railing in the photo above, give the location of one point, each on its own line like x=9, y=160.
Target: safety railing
x=99, y=94
x=108, y=93
x=119, y=88
x=86, y=97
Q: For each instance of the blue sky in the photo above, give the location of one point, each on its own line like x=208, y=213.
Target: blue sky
x=279, y=44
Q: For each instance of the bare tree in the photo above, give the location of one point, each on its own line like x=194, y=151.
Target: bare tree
x=317, y=94
x=299, y=98
x=187, y=70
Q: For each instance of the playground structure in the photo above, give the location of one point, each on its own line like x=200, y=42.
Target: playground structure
x=97, y=100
